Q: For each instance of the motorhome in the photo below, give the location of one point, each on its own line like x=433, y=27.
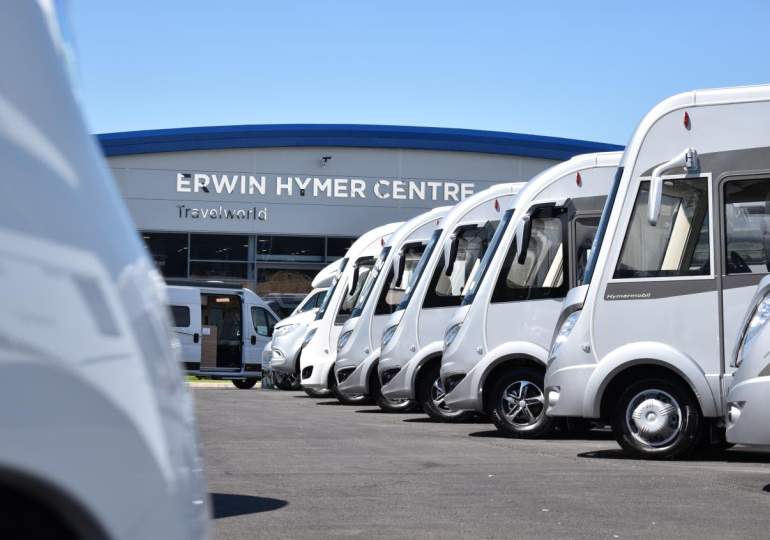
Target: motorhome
x=99, y=434
x=645, y=342
x=289, y=332
x=748, y=398
x=222, y=331
x=412, y=342
x=358, y=347
x=319, y=347
x=496, y=345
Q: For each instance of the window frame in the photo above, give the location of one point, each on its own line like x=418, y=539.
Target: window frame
x=268, y=316
x=501, y=294
x=721, y=186
x=618, y=247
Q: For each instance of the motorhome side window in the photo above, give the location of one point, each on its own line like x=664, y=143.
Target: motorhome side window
x=395, y=286
x=585, y=230
x=542, y=273
x=747, y=226
x=470, y=244
x=678, y=245
x=263, y=321
x=354, y=290
x=181, y=316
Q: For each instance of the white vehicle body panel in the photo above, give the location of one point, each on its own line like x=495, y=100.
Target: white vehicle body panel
x=317, y=356
x=420, y=330
x=289, y=332
x=672, y=320
x=83, y=306
x=361, y=351
x=493, y=330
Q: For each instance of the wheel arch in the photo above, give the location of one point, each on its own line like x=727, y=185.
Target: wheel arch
x=504, y=357
x=624, y=364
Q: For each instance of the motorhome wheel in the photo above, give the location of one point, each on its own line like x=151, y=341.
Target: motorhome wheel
x=244, y=384
x=431, y=394
x=388, y=405
x=657, y=419
x=517, y=404
x=359, y=399
x=287, y=381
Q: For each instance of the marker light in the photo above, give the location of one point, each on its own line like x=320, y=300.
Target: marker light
x=686, y=120
x=579, y=180
x=497, y=205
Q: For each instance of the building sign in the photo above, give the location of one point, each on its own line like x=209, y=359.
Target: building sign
x=325, y=188
x=222, y=213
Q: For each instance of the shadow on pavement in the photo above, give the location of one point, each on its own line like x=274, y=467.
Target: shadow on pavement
x=590, y=436
x=428, y=420
x=328, y=403
x=728, y=456
x=229, y=504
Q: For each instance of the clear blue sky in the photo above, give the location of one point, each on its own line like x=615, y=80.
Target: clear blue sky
x=586, y=69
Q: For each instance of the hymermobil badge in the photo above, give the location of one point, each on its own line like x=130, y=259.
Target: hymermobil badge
x=220, y=212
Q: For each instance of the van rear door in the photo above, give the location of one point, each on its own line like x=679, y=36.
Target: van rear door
x=185, y=306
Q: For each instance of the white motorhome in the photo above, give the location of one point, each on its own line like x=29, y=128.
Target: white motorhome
x=98, y=428
x=645, y=342
x=222, y=331
x=319, y=347
x=358, y=347
x=289, y=332
x=748, y=398
x=496, y=345
x=412, y=342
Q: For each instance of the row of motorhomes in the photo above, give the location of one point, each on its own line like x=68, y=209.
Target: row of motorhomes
x=614, y=288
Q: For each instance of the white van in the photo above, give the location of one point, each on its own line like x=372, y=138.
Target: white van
x=645, y=343
x=98, y=428
x=358, y=347
x=289, y=332
x=319, y=347
x=748, y=399
x=496, y=345
x=222, y=331
x=411, y=347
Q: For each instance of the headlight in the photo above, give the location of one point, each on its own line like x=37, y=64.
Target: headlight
x=451, y=334
x=564, y=331
x=387, y=335
x=283, y=330
x=343, y=339
x=308, y=336
x=760, y=318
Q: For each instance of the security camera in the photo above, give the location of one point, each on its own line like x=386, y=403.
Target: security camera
x=324, y=160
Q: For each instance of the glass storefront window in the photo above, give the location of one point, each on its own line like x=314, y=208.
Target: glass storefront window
x=290, y=248
x=337, y=247
x=169, y=250
x=219, y=270
x=219, y=247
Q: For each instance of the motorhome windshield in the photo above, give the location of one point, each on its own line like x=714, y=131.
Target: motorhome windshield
x=469, y=243
x=393, y=291
x=418, y=270
x=363, y=269
x=600, y=232
x=330, y=291
x=473, y=286
x=366, y=291
x=541, y=274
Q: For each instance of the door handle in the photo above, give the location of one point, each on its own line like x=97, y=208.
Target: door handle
x=253, y=340
x=196, y=337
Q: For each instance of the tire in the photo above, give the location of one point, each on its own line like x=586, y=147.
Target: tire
x=360, y=399
x=244, y=384
x=517, y=404
x=286, y=381
x=388, y=405
x=669, y=413
x=430, y=394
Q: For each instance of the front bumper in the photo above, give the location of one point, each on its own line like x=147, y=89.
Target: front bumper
x=401, y=385
x=747, y=404
x=466, y=395
x=317, y=369
x=284, y=360
x=565, y=390
x=357, y=382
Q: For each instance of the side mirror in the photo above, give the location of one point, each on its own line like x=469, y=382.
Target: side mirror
x=398, y=268
x=450, y=253
x=688, y=160
x=354, y=281
x=523, y=234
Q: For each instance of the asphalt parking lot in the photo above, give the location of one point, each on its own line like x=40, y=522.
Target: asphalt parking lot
x=282, y=465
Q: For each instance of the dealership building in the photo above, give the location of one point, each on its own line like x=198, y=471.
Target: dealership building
x=268, y=206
